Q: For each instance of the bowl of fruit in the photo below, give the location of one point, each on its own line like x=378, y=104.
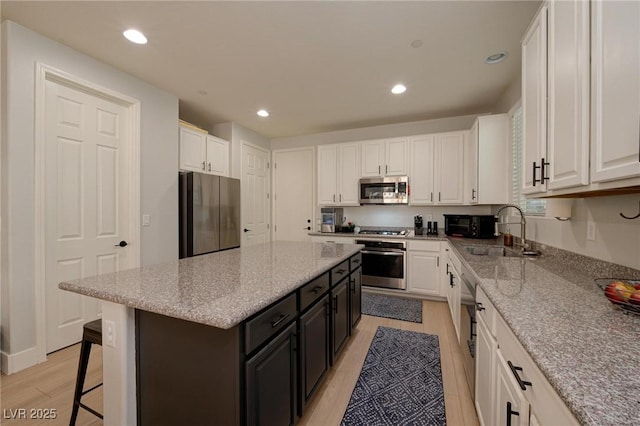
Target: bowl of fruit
x=624, y=293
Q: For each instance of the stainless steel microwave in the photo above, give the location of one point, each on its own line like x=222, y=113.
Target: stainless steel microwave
x=384, y=190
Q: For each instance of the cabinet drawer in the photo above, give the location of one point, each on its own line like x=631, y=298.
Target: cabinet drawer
x=339, y=272
x=355, y=262
x=486, y=310
x=313, y=290
x=545, y=402
x=424, y=245
x=269, y=322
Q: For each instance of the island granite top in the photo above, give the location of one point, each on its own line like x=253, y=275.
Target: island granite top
x=219, y=289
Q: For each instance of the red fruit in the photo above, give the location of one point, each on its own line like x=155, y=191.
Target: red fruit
x=635, y=298
x=619, y=292
x=636, y=286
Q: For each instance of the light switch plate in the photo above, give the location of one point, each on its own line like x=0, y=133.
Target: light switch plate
x=110, y=333
x=146, y=220
x=591, y=230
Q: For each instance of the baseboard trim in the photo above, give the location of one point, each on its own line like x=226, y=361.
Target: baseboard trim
x=12, y=363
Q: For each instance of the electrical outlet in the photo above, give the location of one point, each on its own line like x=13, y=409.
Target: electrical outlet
x=110, y=333
x=146, y=220
x=430, y=217
x=591, y=230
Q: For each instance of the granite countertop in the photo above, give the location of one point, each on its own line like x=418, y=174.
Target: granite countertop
x=218, y=289
x=586, y=348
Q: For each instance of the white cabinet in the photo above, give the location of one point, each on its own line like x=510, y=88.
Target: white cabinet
x=453, y=285
x=423, y=267
x=487, y=173
x=615, y=90
x=436, y=170
x=486, y=346
x=200, y=152
x=511, y=408
x=385, y=157
x=338, y=174
x=568, y=91
x=534, y=104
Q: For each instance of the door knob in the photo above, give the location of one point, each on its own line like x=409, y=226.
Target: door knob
x=122, y=243
x=246, y=230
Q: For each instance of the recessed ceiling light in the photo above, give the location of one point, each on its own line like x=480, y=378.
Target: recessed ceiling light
x=416, y=43
x=263, y=113
x=203, y=92
x=398, y=88
x=496, y=58
x=135, y=36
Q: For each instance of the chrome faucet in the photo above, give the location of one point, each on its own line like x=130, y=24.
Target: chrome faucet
x=523, y=224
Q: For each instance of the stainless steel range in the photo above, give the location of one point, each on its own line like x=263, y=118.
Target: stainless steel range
x=384, y=260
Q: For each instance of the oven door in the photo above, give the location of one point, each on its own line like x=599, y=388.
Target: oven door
x=383, y=268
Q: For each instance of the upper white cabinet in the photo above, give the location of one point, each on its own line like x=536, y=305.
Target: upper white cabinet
x=338, y=174
x=534, y=104
x=615, y=90
x=487, y=173
x=200, y=152
x=385, y=157
x=436, y=168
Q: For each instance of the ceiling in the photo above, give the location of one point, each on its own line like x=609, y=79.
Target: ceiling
x=315, y=66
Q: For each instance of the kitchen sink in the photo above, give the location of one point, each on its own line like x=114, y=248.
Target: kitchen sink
x=491, y=251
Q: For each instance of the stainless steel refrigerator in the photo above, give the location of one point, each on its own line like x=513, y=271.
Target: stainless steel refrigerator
x=209, y=213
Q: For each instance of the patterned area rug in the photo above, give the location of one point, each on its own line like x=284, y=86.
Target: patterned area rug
x=400, y=382
x=400, y=308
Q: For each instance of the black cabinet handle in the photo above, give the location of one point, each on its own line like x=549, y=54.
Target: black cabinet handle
x=308, y=228
x=542, y=173
x=448, y=266
x=246, y=230
x=317, y=289
x=352, y=284
x=451, y=280
x=281, y=318
x=523, y=384
x=356, y=261
x=122, y=243
x=341, y=271
x=510, y=412
x=335, y=304
x=479, y=307
x=473, y=194
x=535, y=167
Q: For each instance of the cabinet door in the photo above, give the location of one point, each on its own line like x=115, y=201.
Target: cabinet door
x=314, y=349
x=348, y=174
x=493, y=165
x=534, y=103
x=568, y=73
x=421, y=170
x=373, y=158
x=449, y=168
x=217, y=156
x=511, y=407
x=340, y=326
x=396, y=157
x=486, y=346
x=471, y=166
x=453, y=297
x=193, y=150
x=327, y=175
x=272, y=382
x=356, y=297
x=424, y=273
x=615, y=90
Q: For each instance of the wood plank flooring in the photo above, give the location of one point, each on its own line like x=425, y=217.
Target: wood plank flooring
x=50, y=385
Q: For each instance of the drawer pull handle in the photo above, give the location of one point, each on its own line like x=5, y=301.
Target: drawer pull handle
x=479, y=307
x=281, y=318
x=523, y=384
x=341, y=271
x=317, y=289
x=352, y=284
x=335, y=304
x=356, y=261
x=510, y=412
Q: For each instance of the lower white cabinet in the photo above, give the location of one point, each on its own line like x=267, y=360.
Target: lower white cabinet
x=452, y=286
x=510, y=388
x=423, y=265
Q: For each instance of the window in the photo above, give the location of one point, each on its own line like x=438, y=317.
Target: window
x=529, y=206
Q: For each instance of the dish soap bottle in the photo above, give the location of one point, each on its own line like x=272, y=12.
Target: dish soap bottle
x=508, y=239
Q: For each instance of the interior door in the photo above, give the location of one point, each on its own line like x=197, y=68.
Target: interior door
x=87, y=202
x=255, y=195
x=293, y=194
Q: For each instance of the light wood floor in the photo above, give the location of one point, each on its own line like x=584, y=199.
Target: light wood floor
x=50, y=385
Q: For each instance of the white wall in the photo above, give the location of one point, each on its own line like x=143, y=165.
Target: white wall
x=22, y=48
x=377, y=132
x=236, y=134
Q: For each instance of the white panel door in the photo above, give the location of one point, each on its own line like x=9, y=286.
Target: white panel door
x=534, y=103
x=471, y=166
x=373, y=158
x=255, y=195
x=615, y=69
x=349, y=174
x=292, y=194
x=486, y=346
x=421, y=180
x=327, y=175
x=568, y=143
x=217, y=156
x=87, y=202
x=424, y=273
x=193, y=150
x=396, y=157
x=449, y=168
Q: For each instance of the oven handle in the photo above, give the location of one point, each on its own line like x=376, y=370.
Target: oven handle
x=383, y=253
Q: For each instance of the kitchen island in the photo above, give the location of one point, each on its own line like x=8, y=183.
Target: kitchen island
x=196, y=338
